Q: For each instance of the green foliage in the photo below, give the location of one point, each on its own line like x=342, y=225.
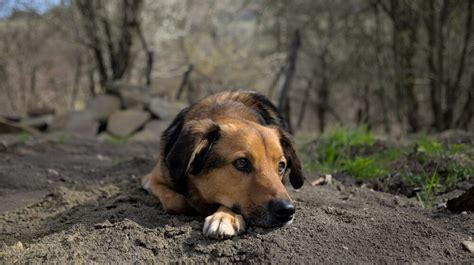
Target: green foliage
x=426, y=166
x=116, y=139
x=431, y=187
x=429, y=146
x=365, y=168
x=451, y=166
x=337, y=151
x=117, y=160
x=338, y=142
x=458, y=149
x=23, y=137
x=61, y=138
x=457, y=172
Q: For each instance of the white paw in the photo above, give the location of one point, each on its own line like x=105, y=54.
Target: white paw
x=223, y=225
x=146, y=183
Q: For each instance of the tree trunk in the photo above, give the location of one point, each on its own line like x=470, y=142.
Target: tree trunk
x=185, y=81
x=467, y=111
x=363, y=114
x=405, y=21
x=284, y=100
x=33, y=96
x=321, y=107
x=380, y=91
x=454, y=90
x=307, y=91
x=6, y=86
x=118, y=49
x=75, y=83
x=90, y=75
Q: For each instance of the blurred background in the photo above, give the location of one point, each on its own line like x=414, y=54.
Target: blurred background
x=394, y=66
x=378, y=93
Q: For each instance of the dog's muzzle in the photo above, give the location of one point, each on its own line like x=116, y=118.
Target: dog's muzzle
x=279, y=212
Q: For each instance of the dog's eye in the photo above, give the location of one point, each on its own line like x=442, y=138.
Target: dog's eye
x=281, y=168
x=243, y=164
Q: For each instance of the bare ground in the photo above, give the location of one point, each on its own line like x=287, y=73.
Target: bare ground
x=80, y=201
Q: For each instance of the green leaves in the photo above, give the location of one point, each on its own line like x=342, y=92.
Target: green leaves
x=365, y=168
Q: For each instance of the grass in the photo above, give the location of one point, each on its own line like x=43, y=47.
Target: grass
x=427, y=166
x=340, y=150
x=365, y=168
x=112, y=139
x=23, y=137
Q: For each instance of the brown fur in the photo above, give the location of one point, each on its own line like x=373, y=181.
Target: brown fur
x=196, y=170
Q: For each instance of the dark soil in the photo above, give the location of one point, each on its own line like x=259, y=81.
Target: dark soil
x=81, y=200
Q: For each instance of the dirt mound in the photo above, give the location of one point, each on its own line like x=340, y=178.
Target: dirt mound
x=92, y=209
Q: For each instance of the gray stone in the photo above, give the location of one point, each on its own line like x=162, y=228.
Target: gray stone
x=133, y=99
x=103, y=106
x=81, y=123
x=132, y=96
x=469, y=245
x=157, y=126
x=163, y=109
x=144, y=136
x=12, y=116
x=124, y=123
x=59, y=122
x=40, y=122
x=104, y=137
x=10, y=127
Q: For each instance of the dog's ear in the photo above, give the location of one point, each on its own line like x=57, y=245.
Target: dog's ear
x=190, y=150
x=293, y=163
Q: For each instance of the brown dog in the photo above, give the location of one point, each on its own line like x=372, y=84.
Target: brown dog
x=226, y=157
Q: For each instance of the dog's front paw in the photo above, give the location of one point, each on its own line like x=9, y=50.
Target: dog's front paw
x=223, y=225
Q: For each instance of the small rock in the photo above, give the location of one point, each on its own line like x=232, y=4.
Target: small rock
x=104, y=137
x=144, y=136
x=12, y=116
x=103, y=158
x=157, y=126
x=327, y=179
x=102, y=106
x=18, y=246
x=163, y=109
x=81, y=123
x=468, y=245
x=103, y=225
x=318, y=182
x=123, y=123
x=465, y=202
x=53, y=172
x=132, y=96
x=41, y=123
x=9, y=127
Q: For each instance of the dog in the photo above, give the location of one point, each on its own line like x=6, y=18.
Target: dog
x=227, y=157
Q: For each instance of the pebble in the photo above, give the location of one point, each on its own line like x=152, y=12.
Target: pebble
x=53, y=172
x=469, y=245
x=19, y=246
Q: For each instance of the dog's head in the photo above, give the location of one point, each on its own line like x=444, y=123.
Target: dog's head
x=238, y=164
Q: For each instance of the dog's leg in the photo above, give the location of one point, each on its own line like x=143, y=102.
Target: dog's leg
x=224, y=223
x=171, y=201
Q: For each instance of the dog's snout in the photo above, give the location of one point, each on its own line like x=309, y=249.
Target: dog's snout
x=282, y=210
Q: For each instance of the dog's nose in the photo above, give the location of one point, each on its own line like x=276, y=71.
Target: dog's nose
x=282, y=210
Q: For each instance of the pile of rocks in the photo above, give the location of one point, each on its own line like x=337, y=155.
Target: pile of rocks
x=126, y=115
